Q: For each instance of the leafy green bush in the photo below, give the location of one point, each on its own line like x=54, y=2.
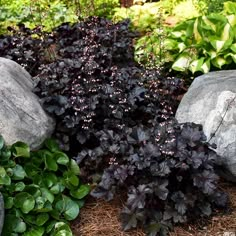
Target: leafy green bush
x=196, y=44
x=143, y=18
x=41, y=190
x=85, y=8
x=44, y=13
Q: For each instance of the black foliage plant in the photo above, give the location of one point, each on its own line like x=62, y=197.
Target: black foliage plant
x=118, y=120
x=23, y=46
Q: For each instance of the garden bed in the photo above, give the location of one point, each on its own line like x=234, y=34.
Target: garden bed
x=101, y=218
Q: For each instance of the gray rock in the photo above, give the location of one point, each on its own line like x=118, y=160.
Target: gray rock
x=211, y=102
x=21, y=115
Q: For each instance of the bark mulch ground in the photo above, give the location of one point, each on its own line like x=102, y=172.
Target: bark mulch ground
x=101, y=218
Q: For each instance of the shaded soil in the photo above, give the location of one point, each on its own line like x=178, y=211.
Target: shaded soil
x=101, y=218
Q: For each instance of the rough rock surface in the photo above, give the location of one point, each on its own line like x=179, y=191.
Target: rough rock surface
x=21, y=115
x=211, y=101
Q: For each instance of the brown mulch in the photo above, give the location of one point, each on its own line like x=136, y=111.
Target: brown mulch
x=101, y=218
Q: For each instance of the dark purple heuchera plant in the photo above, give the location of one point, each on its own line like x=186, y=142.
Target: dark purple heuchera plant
x=117, y=119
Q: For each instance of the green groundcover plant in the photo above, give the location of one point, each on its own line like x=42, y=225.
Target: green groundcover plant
x=196, y=45
x=41, y=190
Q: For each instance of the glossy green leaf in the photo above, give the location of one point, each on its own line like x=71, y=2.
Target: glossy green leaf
x=61, y=229
x=74, y=167
x=47, y=194
x=24, y=201
x=33, y=189
x=8, y=202
x=68, y=208
x=19, y=186
x=35, y=231
x=42, y=219
x=50, y=163
x=4, y=178
x=14, y=224
x=51, y=144
x=61, y=158
x=70, y=179
x=81, y=192
x=46, y=207
x=20, y=149
x=49, y=179
x=5, y=154
x=57, y=188
x=18, y=172
x=40, y=203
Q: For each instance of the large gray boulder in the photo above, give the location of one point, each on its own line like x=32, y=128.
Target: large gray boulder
x=21, y=115
x=211, y=102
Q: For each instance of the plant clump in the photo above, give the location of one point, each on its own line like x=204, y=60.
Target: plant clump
x=41, y=189
x=117, y=119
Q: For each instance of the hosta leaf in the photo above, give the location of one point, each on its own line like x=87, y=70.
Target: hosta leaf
x=81, y=192
x=24, y=201
x=20, y=149
x=220, y=45
x=197, y=35
x=205, y=68
x=208, y=23
x=233, y=47
x=182, y=63
x=226, y=33
x=219, y=62
x=231, y=55
x=196, y=65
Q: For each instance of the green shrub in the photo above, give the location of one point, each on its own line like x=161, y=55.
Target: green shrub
x=41, y=190
x=195, y=45
x=45, y=13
